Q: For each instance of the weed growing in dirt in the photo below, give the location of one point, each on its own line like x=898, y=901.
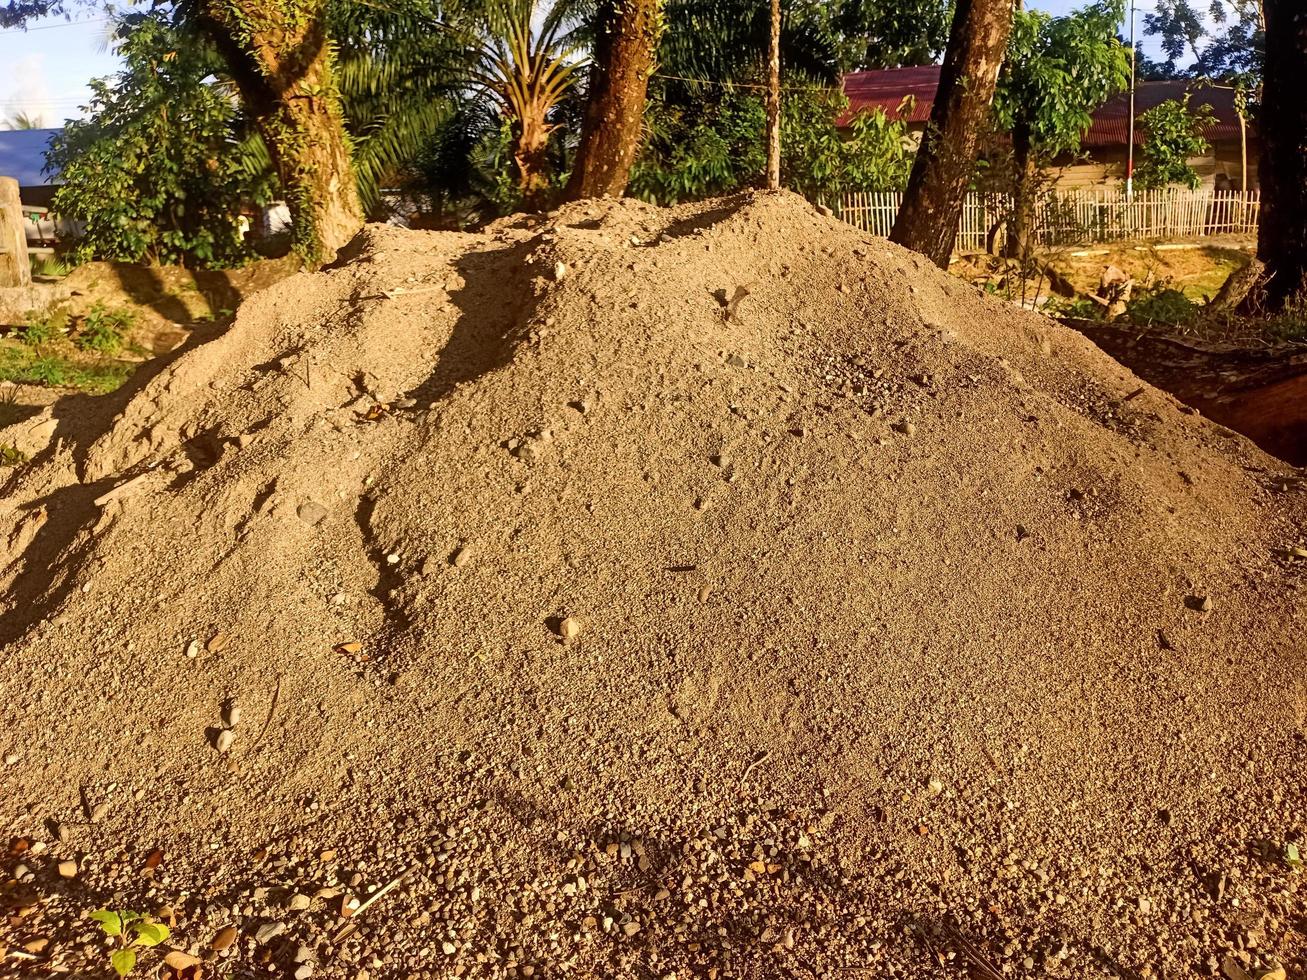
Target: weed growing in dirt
x=103, y=329
x=42, y=328
x=48, y=266
x=12, y=456
x=133, y=931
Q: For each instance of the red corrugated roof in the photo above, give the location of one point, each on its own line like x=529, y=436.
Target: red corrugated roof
x=887, y=89
x=869, y=90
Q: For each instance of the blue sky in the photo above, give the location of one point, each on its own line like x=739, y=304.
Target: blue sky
x=47, y=67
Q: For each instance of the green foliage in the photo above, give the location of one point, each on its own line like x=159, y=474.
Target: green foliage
x=399, y=81
x=1058, y=70
x=1172, y=134
x=11, y=455
x=725, y=41
x=715, y=146
x=1222, y=40
x=50, y=266
x=699, y=150
x=154, y=171
x=133, y=933
x=883, y=34
x=50, y=368
x=1163, y=305
x=23, y=120
x=822, y=164
x=102, y=329
x=43, y=328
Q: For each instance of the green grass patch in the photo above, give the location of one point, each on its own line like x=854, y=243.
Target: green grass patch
x=50, y=367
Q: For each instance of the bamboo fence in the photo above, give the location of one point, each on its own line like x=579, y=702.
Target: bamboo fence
x=1081, y=216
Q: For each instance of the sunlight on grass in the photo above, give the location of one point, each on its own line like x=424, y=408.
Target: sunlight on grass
x=23, y=364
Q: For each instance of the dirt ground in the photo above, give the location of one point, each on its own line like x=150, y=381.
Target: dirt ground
x=1197, y=269
x=712, y=592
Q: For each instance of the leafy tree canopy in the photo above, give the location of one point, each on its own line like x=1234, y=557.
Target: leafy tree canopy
x=1058, y=70
x=1224, y=42
x=157, y=171
x=886, y=34
x=1172, y=134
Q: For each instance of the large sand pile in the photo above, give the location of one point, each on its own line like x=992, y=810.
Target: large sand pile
x=900, y=616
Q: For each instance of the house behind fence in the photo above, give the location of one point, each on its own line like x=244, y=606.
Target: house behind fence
x=1079, y=216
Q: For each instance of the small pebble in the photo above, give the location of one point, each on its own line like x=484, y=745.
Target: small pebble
x=269, y=931
x=311, y=512
x=569, y=628
x=67, y=869
x=223, y=742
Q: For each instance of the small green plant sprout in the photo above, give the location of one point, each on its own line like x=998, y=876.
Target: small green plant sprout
x=102, y=329
x=133, y=931
x=11, y=455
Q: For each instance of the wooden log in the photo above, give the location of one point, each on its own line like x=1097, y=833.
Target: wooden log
x=15, y=268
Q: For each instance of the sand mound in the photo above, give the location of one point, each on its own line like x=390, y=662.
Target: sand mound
x=889, y=610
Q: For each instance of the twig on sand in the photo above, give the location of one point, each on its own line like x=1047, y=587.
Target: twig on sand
x=349, y=928
x=756, y=761
x=272, y=710
x=979, y=962
x=401, y=291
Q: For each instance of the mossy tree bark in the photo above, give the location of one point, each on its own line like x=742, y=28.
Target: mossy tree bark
x=279, y=56
x=1282, y=224
x=626, y=38
x=927, y=222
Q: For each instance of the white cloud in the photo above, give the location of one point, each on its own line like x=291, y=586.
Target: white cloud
x=29, y=94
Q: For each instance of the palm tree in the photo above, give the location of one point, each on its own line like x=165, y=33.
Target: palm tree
x=22, y=120
x=526, y=74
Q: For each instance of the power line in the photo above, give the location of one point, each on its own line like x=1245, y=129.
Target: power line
x=55, y=27
x=751, y=85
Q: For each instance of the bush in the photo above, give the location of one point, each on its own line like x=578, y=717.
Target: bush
x=1164, y=305
x=42, y=328
x=154, y=172
x=701, y=146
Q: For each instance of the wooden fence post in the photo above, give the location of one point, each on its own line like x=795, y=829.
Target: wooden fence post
x=15, y=269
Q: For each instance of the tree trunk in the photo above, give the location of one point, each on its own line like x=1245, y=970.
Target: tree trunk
x=278, y=54
x=932, y=205
x=1025, y=176
x=15, y=267
x=626, y=37
x=532, y=157
x=774, y=99
x=1282, y=226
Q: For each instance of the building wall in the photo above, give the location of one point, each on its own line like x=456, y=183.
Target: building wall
x=1217, y=170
